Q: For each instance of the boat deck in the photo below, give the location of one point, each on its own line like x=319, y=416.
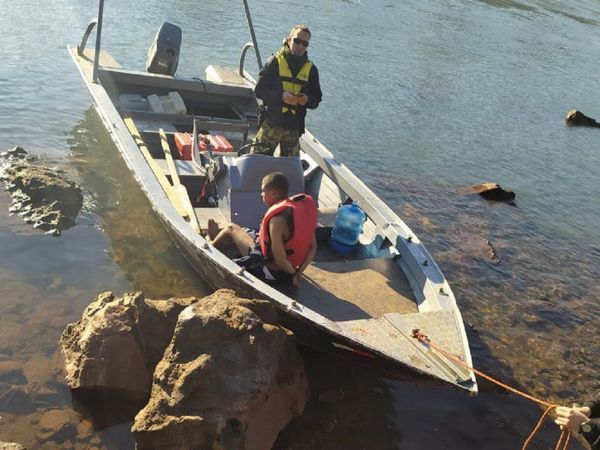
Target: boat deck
x=355, y=289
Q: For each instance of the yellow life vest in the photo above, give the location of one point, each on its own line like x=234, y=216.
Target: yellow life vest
x=290, y=83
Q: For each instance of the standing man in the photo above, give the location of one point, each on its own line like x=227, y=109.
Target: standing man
x=288, y=84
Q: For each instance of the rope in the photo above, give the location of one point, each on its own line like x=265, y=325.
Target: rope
x=567, y=436
x=416, y=333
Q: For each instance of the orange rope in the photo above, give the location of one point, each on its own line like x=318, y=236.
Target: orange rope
x=549, y=406
x=537, y=427
x=567, y=435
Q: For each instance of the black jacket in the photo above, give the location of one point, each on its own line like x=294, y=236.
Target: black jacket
x=594, y=405
x=269, y=89
x=593, y=436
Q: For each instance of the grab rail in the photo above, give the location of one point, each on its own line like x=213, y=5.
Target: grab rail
x=252, y=35
x=245, y=49
x=86, y=35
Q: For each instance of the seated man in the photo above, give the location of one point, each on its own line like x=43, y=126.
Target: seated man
x=285, y=243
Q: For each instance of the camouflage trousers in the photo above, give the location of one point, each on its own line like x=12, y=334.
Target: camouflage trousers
x=272, y=135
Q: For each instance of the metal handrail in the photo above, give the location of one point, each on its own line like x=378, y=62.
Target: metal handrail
x=252, y=35
x=245, y=49
x=86, y=35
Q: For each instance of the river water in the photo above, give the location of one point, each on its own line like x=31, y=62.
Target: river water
x=421, y=98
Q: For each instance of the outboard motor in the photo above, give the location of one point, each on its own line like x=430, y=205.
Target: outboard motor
x=163, y=56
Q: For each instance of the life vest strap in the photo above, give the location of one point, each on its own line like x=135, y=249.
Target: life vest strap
x=294, y=80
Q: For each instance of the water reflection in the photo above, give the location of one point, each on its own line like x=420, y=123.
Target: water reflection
x=139, y=244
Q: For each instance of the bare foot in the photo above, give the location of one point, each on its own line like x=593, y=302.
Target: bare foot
x=213, y=229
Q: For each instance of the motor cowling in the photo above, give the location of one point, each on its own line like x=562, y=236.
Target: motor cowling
x=163, y=56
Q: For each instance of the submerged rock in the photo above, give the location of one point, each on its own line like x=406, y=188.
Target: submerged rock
x=57, y=424
x=38, y=369
x=11, y=446
x=230, y=379
x=16, y=400
x=15, y=153
x=42, y=195
x=490, y=191
x=44, y=396
x=474, y=246
x=118, y=341
x=11, y=370
x=577, y=118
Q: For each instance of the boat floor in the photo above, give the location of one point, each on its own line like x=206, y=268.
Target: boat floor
x=346, y=290
x=343, y=288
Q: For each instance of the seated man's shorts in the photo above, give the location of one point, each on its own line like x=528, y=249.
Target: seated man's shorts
x=255, y=264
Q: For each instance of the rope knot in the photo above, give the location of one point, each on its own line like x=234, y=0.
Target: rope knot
x=416, y=333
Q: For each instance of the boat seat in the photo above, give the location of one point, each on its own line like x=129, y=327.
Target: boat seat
x=239, y=190
x=172, y=103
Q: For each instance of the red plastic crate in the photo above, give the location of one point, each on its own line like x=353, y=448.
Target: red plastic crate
x=216, y=143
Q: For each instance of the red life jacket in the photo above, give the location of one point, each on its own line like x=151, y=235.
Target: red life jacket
x=304, y=220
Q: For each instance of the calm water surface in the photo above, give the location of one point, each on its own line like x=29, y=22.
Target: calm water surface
x=421, y=98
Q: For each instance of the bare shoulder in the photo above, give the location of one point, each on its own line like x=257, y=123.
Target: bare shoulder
x=279, y=224
x=280, y=220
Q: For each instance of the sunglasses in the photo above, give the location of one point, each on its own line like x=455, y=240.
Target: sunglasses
x=299, y=41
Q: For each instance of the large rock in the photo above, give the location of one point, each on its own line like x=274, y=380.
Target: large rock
x=42, y=195
x=490, y=191
x=577, y=118
x=118, y=341
x=230, y=379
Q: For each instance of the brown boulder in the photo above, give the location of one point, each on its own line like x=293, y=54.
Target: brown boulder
x=118, y=341
x=577, y=118
x=229, y=379
x=490, y=191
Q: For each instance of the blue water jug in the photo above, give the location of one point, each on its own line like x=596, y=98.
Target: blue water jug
x=346, y=230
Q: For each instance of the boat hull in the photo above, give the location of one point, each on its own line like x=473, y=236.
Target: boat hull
x=218, y=271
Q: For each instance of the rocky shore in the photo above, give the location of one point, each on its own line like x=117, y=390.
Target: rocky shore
x=217, y=372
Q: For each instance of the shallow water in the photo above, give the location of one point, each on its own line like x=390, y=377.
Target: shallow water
x=429, y=97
